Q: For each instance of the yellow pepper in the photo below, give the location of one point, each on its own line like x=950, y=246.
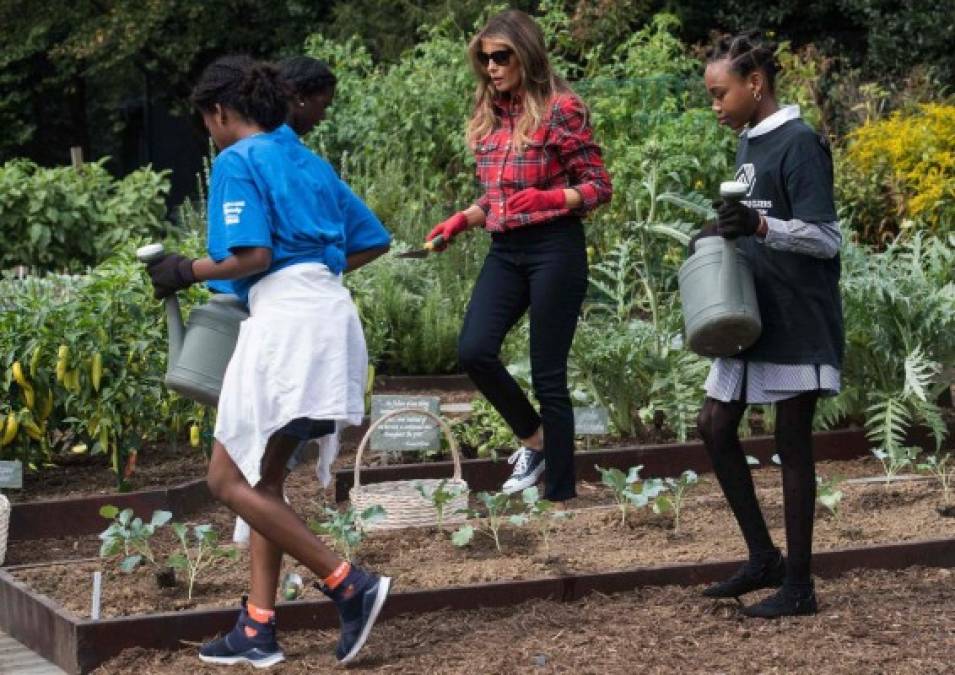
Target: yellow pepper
x=10, y=430
x=194, y=436
x=96, y=370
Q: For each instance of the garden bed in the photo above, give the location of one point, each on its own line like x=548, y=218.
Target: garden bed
x=870, y=621
x=870, y=514
x=879, y=526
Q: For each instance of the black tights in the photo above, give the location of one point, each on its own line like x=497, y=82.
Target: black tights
x=718, y=424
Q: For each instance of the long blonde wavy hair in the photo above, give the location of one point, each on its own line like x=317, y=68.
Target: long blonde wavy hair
x=522, y=35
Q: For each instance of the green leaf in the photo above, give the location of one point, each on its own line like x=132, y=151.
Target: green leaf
x=160, y=518
x=177, y=561
x=108, y=511
x=130, y=563
x=463, y=535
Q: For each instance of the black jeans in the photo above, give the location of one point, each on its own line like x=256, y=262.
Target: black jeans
x=544, y=269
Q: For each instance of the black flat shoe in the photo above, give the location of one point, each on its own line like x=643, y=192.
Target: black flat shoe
x=787, y=601
x=752, y=576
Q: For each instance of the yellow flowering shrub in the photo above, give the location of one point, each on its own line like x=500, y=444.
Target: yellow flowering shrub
x=913, y=156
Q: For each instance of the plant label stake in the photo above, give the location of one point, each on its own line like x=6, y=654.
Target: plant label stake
x=97, y=592
x=592, y=421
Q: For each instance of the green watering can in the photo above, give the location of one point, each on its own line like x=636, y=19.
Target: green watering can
x=200, y=351
x=718, y=295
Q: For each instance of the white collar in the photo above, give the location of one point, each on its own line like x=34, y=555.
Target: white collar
x=774, y=121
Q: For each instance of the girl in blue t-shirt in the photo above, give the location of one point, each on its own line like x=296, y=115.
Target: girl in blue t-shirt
x=787, y=229
x=282, y=229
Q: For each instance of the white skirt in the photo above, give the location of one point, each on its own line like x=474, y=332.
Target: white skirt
x=301, y=353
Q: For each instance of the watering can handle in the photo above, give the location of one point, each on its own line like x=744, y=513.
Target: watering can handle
x=732, y=292
x=149, y=252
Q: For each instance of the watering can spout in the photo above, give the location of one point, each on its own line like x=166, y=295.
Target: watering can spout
x=174, y=323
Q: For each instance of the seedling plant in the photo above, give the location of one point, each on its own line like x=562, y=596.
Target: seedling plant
x=347, y=527
x=196, y=559
x=130, y=536
x=673, y=501
x=440, y=497
x=541, y=513
x=943, y=468
x=829, y=495
x=497, y=505
x=894, y=459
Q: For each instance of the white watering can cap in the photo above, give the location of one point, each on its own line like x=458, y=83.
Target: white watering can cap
x=148, y=252
x=733, y=188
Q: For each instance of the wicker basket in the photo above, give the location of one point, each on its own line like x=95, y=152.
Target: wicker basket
x=4, y=526
x=404, y=506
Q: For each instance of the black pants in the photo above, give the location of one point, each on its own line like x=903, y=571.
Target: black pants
x=543, y=269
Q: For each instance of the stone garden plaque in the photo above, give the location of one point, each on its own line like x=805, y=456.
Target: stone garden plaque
x=11, y=475
x=405, y=432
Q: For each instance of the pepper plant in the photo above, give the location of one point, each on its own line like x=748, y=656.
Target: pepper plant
x=130, y=536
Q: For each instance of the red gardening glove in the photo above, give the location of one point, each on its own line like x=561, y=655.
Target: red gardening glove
x=532, y=199
x=450, y=227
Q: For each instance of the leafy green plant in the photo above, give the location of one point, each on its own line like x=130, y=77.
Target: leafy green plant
x=204, y=552
x=440, y=497
x=130, y=536
x=829, y=495
x=541, y=513
x=347, y=527
x=483, y=429
x=629, y=490
x=497, y=506
x=943, y=468
x=895, y=459
x=674, y=499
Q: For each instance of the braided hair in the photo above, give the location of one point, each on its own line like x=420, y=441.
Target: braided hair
x=253, y=89
x=307, y=76
x=747, y=52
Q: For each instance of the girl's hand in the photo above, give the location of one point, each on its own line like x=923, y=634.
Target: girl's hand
x=532, y=199
x=170, y=273
x=734, y=219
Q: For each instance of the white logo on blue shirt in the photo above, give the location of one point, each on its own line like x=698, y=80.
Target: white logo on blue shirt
x=231, y=212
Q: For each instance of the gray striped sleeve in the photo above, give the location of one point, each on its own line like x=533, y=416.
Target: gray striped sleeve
x=819, y=240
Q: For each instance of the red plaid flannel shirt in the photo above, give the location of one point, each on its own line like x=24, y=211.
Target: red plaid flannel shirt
x=561, y=153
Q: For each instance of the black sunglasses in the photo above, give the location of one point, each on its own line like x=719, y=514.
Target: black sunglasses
x=501, y=57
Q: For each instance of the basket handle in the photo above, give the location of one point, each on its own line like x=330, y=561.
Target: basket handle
x=455, y=455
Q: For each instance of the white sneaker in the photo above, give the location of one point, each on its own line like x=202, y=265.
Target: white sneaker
x=528, y=467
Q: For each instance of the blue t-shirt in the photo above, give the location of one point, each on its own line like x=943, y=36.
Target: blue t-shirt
x=271, y=191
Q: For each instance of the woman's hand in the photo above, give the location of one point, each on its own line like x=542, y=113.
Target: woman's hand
x=532, y=199
x=450, y=227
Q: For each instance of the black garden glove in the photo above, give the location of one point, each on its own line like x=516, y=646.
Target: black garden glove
x=734, y=219
x=170, y=273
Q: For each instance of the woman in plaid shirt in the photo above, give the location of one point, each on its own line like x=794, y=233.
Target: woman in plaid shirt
x=541, y=171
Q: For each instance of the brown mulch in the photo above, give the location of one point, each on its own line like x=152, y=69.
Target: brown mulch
x=870, y=622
